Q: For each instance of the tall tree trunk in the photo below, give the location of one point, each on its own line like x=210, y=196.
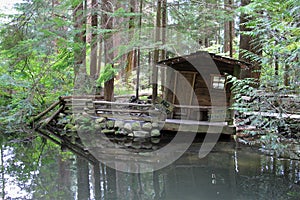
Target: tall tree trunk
x=131, y=60
x=286, y=75
x=111, y=183
x=83, y=192
x=138, y=54
x=94, y=38
x=163, y=39
x=64, y=178
x=244, y=40
x=156, y=187
x=80, y=38
x=156, y=52
x=97, y=181
x=228, y=31
x=3, y=184
x=107, y=23
x=246, y=44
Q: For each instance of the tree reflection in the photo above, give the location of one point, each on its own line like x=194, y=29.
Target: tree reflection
x=39, y=169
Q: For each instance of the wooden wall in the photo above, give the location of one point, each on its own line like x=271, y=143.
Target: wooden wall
x=202, y=95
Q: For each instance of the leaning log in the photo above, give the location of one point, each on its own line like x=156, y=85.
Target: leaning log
x=49, y=119
x=39, y=116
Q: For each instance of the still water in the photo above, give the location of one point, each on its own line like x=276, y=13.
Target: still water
x=42, y=170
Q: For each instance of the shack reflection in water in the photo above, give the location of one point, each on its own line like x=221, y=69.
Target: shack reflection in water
x=226, y=173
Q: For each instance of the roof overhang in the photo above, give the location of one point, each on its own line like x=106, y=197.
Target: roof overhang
x=203, y=54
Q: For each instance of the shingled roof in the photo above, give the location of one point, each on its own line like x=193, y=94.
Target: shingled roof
x=215, y=57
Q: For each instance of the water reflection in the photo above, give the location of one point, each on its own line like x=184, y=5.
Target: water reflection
x=40, y=170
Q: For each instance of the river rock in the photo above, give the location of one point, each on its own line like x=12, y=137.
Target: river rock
x=155, y=140
x=141, y=134
x=61, y=115
x=100, y=120
x=130, y=135
x=128, y=127
x=136, y=145
x=155, y=125
x=119, y=124
x=121, y=132
x=139, y=139
x=102, y=125
x=146, y=145
x=136, y=126
x=127, y=143
x=147, y=126
x=110, y=124
x=107, y=131
x=154, y=147
x=97, y=127
x=155, y=133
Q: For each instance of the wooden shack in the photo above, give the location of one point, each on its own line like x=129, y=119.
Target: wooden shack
x=198, y=80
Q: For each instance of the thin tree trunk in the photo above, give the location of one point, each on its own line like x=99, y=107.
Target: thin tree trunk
x=83, y=192
x=94, y=42
x=228, y=31
x=64, y=178
x=107, y=23
x=286, y=75
x=139, y=52
x=99, y=56
x=97, y=176
x=246, y=43
x=80, y=38
x=2, y=173
x=131, y=64
x=276, y=66
x=163, y=52
x=111, y=183
x=156, y=185
x=156, y=52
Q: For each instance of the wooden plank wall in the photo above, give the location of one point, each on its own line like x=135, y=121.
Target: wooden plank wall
x=203, y=97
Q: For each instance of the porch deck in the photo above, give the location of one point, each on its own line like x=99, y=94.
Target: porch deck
x=141, y=112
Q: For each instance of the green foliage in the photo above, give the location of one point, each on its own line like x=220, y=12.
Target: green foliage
x=200, y=20
x=266, y=110
x=108, y=73
x=37, y=62
x=274, y=28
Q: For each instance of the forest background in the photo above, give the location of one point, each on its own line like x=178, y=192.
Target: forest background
x=48, y=45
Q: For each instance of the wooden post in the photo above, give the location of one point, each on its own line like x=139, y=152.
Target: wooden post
x=174, y=91
x=192, y=92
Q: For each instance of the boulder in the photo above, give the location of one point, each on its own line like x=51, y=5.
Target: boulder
x=155, y=140
x=100, y=120
x=147, y=126
x=121, y=132
x=119, y=124
x=155, y=133
x=128, y=127
x=141, y=134
x=136, y=145
x=102, y=125
x=97, y=126
x=136, y=126
x=146, y=145
x=107, y=131
x=130, y=135
x=127, y=143
x=110, y=124
x=155, y=125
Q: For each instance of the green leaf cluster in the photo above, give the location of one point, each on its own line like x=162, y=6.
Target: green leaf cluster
x=108, y=73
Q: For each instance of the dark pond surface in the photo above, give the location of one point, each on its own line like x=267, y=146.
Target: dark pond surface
x=39, y=169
